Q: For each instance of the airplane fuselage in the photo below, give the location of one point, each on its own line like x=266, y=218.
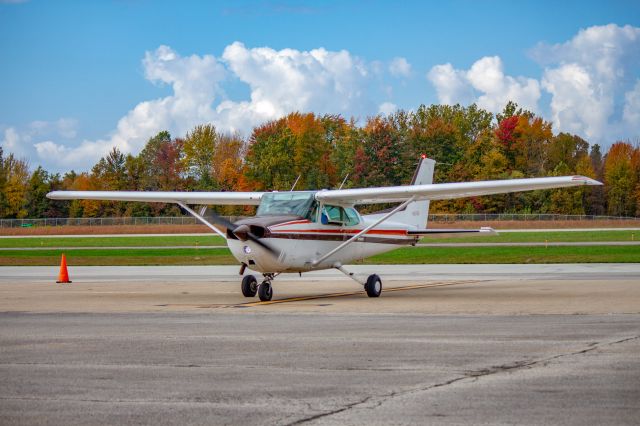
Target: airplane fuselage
x=300, y=241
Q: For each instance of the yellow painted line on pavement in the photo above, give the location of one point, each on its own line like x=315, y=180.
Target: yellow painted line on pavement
x=353, y=293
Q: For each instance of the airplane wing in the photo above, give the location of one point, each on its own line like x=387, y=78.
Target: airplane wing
x=445, y=191
x=206, y=198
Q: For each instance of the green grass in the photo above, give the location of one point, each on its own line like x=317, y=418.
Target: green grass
x=189, y=256
x=155, y=241
x=213, y=240
x=122, y=257
x=591, y=254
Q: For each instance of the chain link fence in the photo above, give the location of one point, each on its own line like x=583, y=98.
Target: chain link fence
x=188, y=220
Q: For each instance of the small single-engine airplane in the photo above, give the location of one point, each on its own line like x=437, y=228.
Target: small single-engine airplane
x=301, y=231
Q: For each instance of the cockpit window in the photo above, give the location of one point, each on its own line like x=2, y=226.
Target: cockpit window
x=286, y=203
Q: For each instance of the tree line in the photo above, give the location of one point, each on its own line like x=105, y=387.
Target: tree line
x=328, y=151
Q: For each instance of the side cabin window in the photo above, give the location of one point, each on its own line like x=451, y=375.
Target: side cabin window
x=337, y=215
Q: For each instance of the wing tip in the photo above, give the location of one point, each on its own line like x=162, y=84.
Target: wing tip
x=586, y=180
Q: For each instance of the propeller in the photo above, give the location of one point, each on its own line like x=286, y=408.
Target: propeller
x=243, y=232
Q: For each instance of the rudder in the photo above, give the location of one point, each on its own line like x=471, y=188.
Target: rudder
x=417, y=213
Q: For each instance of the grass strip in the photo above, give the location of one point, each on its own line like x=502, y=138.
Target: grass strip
x=155, y=241
x=462, y=255
x=190, y=241
x=409, y=255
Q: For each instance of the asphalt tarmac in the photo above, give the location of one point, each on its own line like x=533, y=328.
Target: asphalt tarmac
x=444, y=344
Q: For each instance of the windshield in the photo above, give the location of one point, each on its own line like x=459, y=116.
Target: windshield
x=286, y=203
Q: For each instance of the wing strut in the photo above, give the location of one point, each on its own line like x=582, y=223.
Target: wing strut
x=365, y=230
x=201, y=219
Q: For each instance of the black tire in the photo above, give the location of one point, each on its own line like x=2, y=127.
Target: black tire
x=373, y=287
x=249, y=286
x=265, y=292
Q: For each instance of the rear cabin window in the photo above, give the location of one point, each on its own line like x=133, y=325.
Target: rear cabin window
x=337, y=215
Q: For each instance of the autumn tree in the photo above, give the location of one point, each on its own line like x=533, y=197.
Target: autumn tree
x=620, y=180
x=15, y=187
x=379, y=158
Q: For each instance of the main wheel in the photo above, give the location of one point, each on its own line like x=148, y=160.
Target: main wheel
x=265, y=291
x=373, y=287
x=249, y=286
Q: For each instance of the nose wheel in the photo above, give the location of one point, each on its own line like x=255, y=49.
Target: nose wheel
x=265, y=291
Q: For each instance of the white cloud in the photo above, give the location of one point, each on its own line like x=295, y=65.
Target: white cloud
x=195, y=83
x=484, y=83
x=387, y=108
x=631, y=111
x=590, y=77
x=19, y=141
x=578, y=104
x=12, y=141
x=592, y=80
x=400, y=67
x=291, y=80
x=451, y=85
x=279, y=81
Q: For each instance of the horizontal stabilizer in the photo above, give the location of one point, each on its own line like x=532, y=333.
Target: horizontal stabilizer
x=485, y=230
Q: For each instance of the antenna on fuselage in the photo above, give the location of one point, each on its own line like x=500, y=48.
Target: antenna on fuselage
x=295, y=183
x=344, y=180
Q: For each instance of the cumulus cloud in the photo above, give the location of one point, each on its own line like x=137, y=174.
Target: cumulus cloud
x=387, y=108
x=631, y=111
x=451, y=85
x=12, y=141
x=400, y=67
x=592, y=80
x=195, y=83
x=588, y=76
x=484, y=83
x=280, y=82
x=20, y=141
x=291, y=80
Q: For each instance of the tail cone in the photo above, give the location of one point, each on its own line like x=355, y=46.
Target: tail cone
x=63, y=276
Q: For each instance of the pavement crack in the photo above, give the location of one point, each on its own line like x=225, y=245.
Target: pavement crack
x=471, y=376
x=330, y=413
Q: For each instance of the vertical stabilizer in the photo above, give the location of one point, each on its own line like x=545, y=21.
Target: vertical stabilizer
x=417, y=213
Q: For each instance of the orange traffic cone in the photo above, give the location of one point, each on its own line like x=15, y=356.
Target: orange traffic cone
x=63, y=276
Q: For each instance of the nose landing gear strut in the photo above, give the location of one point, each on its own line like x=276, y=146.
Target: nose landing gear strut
x=250, y=287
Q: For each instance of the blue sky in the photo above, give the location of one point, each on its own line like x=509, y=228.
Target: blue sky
x=79, y=77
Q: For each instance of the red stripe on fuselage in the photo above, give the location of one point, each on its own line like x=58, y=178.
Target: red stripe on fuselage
x=345, y=231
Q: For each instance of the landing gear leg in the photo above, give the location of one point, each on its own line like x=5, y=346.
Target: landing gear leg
x=373, y=284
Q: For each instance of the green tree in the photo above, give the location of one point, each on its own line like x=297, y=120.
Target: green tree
x=37, y=202
x=199, y=149
x=269, y=162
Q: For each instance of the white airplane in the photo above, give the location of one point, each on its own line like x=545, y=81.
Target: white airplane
x=301, y=231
